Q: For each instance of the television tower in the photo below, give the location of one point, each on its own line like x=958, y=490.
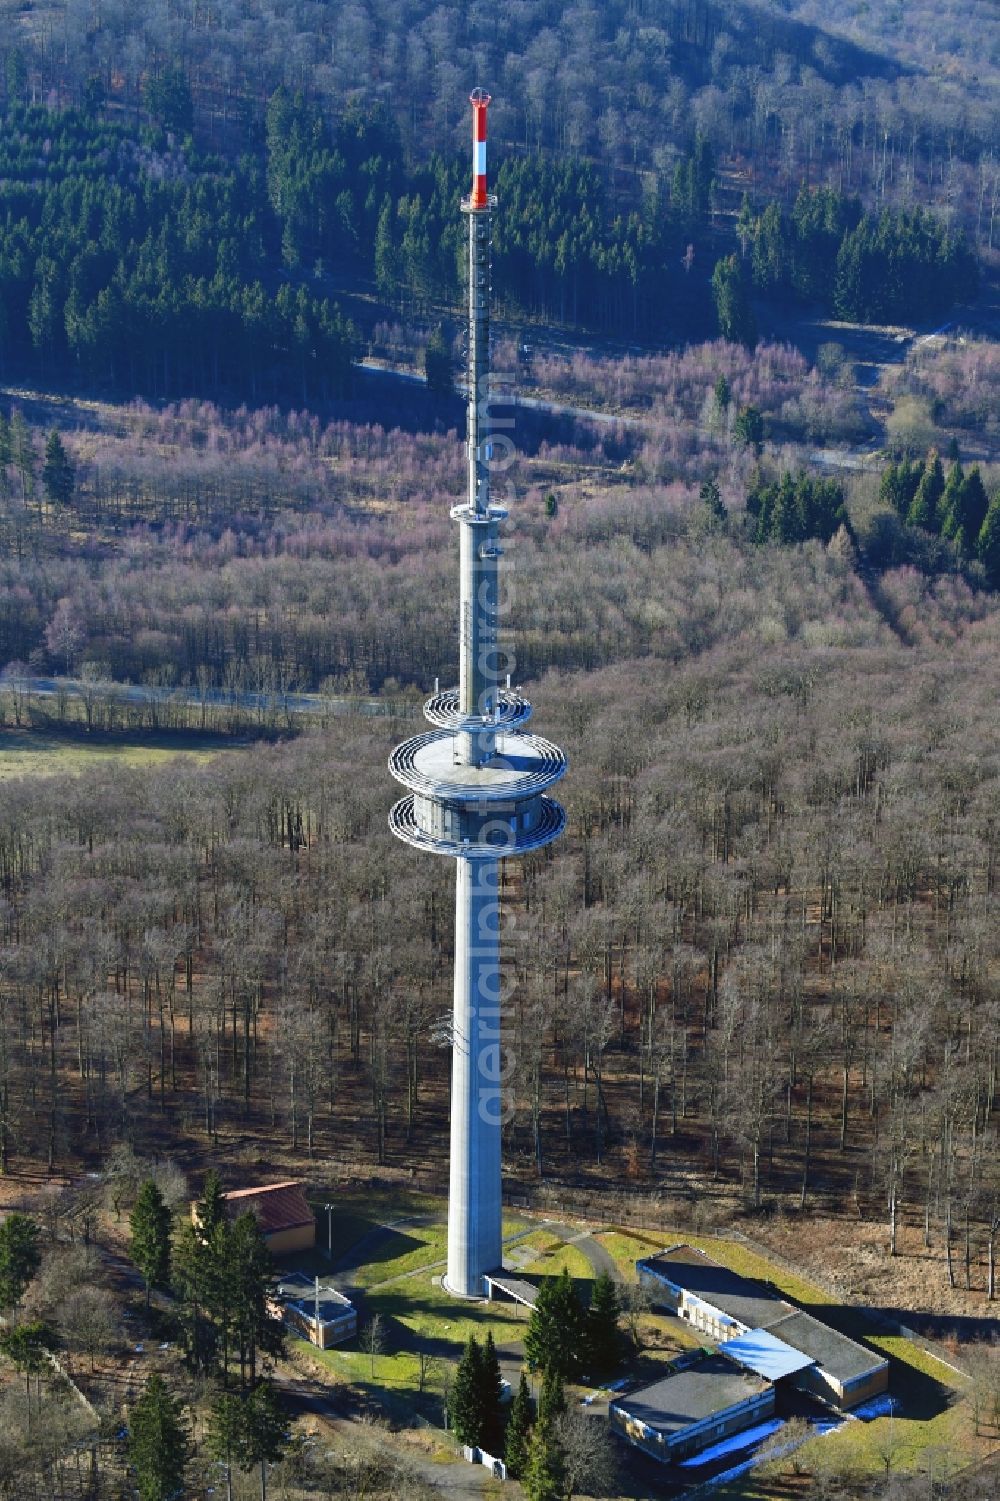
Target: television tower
x=477, y=793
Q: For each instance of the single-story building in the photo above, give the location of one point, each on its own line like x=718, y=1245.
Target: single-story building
x=286, y=1221
x=705, y=1398
x=726, y=1306
x=315, y=1309
x=842, y=1371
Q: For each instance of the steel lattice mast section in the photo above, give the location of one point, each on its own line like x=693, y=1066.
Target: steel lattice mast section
x=477, y=793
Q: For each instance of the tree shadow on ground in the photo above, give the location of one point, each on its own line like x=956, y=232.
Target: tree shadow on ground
x=963, y=1328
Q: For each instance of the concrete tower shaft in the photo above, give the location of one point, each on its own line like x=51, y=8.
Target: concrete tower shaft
x=478, y=786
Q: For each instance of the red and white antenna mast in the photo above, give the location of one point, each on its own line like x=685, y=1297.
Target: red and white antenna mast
x=480, y=101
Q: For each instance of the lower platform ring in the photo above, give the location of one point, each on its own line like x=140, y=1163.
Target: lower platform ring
x=404, y=825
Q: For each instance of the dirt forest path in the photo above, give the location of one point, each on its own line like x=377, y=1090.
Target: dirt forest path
x=311, y=1399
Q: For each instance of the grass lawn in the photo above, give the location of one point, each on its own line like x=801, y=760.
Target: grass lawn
x=629, y=1246
x=417, y=1318
x=381, y=1234
x=551, y=1262
x=36, y=753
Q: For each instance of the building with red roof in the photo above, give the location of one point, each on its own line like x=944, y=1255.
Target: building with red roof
x=282, y=1211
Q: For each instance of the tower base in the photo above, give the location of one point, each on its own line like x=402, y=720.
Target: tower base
x=475, y=1235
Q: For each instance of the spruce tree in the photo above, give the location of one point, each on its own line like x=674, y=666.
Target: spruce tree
x=891, y=488
x=194, y=1271
x=386, y=254
x=950, y=506
x=909, y=478
x=491, y=1389
x=552, y=1399
x=438, y=367
x=210, y=1211
x=712, y=501
x=158, y=1443
x=748, y=429
x=150, y=1224
x=545, y=1471
x=988, y=544
x=465, y=1400
x=602, y=1333
x=554, y=1336
x=518, y=1430
x=58, y=473
x=732, y=303
x=969, y=511
x=245, y=1274
x=924, y=508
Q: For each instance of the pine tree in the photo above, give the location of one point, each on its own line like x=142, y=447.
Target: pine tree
x=602, y=1334
x=150, y=1224
x=465, y=1400
x=518, y=1430
x=263, y=1438
x=158, y=1443
x=26, y=1346
x=19, y=1258
x=23, y=453
x=225, y=1432
x=58, y=474
x=555, y=1329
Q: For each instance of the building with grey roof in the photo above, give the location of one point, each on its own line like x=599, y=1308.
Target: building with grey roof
x=703, y=1399
x=315, y=1309
x=726, y=1306
x=842, y=1371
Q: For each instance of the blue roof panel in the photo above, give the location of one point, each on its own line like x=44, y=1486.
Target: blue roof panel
x=765, y=1355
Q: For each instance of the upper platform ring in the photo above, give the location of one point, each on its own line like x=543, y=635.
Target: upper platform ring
x=521, y=768
x=444, y=709
x=490, y=517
